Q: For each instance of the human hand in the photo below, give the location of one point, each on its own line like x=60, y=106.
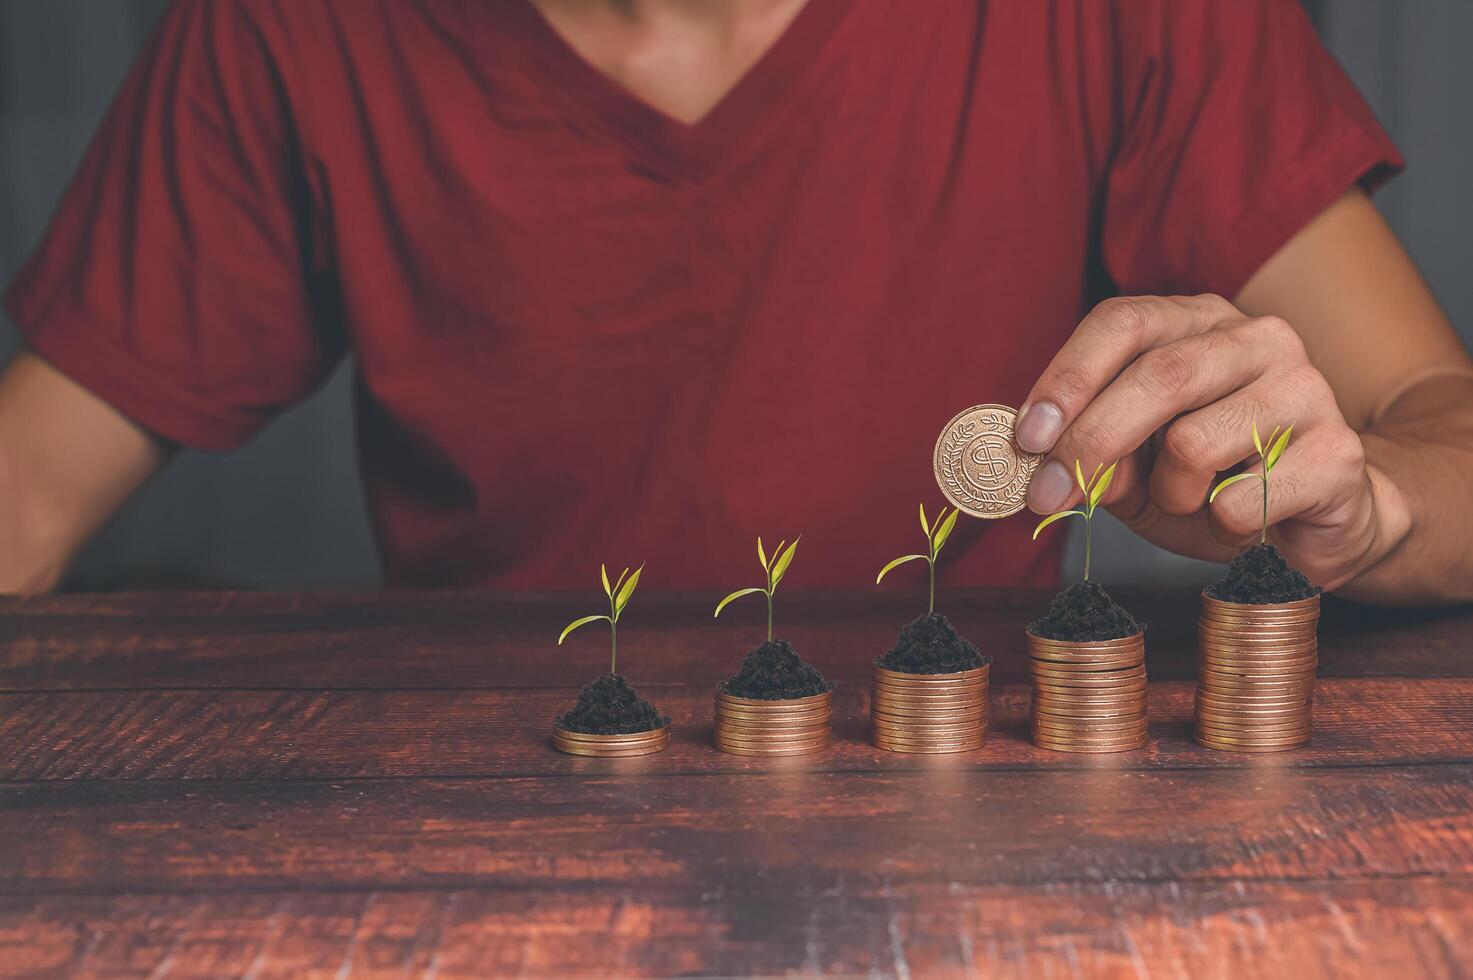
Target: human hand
x=1171, y=386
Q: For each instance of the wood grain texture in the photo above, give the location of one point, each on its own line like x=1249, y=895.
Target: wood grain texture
x=361, y=785
x=1220, y=930
x=791, y=831
x=341, y=734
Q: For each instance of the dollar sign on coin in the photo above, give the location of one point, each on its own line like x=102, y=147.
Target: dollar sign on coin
x=979, y=466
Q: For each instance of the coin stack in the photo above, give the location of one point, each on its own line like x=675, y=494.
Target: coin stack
x=796, y=726
x=1255, y=680
x=929, y=712
x=1089, y=696
x=611, y=746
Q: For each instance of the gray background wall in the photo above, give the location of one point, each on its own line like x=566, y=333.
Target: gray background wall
x=287, y=510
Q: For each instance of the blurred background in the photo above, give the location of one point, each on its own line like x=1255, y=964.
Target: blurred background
x=287, y=510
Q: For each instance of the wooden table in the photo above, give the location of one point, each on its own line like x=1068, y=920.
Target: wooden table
x=269, y=785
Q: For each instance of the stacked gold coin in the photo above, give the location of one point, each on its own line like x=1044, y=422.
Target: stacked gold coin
x=929, y=712
x=796, y=726
x=1088, y=696
x=1255, y=678
x=611, y=746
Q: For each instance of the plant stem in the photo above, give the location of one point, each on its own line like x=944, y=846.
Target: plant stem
x=769, y=617
x=613, y=634
x=931, y=609
x=1088, y=532
x=1263, y=538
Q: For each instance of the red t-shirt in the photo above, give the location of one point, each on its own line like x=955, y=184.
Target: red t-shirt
x=585, y=332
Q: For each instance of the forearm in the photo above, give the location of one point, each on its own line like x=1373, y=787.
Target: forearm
x=1422, y=445
x=68, y=461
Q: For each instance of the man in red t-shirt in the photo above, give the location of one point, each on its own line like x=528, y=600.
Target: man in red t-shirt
x=646, y=278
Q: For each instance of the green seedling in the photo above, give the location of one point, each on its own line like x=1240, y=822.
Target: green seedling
x=936, y=535
x=776, y=568
x=1094, y=491
x=1276, y=444
x=619, y=594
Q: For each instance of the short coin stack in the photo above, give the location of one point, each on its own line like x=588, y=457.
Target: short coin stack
x=1088, y=696
x=1256, y=667
x=796, y=726
x=611, y=746
x=929, y=712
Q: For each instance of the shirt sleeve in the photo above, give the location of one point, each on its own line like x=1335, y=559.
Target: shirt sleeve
x=180, y=280
x=1236, y=128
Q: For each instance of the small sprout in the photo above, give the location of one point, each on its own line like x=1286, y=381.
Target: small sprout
x=619, y=594
x=1276, y=443
x=936, y=534
x=776, y=568
x=1094, y=491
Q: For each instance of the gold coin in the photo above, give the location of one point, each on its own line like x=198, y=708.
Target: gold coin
x=978, y=464
x=770, y=731
x=811, y=738
x=974, y=674
x=1126, y=734
x=963, y=738
x=1086, y=735
x=773, y=721
x=1253, y=704
x=1082, y=686
x=611, y=746
x=938, y=690
x=929, y=749
x=958, y=702
x=1095, y=712
x=1275, y=728
x=801, y=750
x=1214, y=741
x=1283, y=719
x=1092, y=746
x=880, y=691
x=1220, y=741
x=1304, y=675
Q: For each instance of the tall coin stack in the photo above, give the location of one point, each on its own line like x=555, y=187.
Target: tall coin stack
x=929, y=713
x=1088, y=696
x=1255, y=680
x=796, y=726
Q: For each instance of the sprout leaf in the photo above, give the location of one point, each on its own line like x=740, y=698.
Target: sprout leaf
x=925, y=524
x=943, y=531
x=1079, y=476
x=780, y=563
x=1097, y=492
x=1056, y=517
x=761, y=555
x=1229, y=482
x=1257, y=442
x=899, y=561
x=622, y=599
x=603, y=573
x=1277, y=450
x=735, y=595
x=580, y=622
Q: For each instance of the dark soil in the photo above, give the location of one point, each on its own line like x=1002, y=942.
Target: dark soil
x=774, y=672
x=1085, y=611
x=1262, y=575
x=611, y=706
x=931, y=645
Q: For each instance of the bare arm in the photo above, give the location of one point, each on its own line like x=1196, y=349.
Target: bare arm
x=1401, y=378
x=68, y=461
x=1337, y=334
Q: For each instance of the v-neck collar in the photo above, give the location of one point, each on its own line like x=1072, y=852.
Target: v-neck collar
x=689, y=149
